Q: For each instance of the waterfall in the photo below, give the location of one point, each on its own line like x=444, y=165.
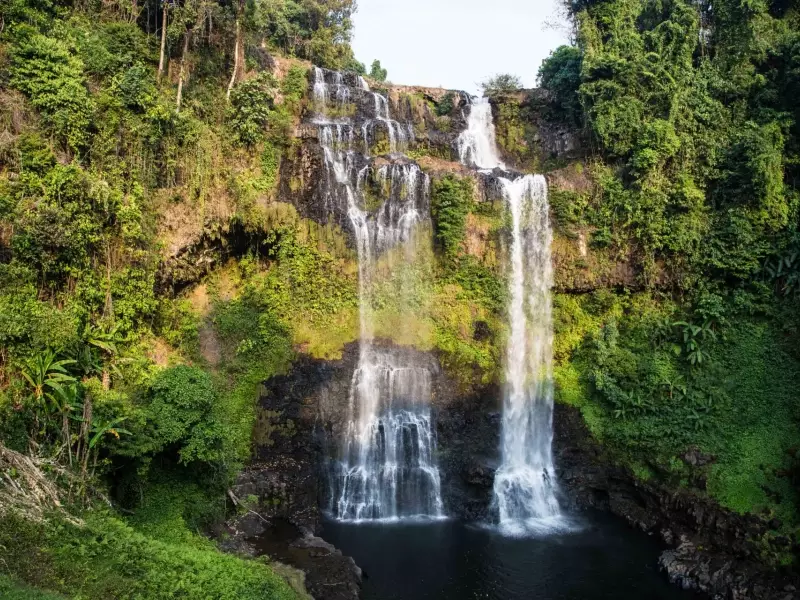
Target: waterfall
x=386, y=467
x=524, y=493
x=476, y=144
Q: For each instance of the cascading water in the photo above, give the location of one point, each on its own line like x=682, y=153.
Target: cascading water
x=524, y=489
x=386, y=466
x=476, y=144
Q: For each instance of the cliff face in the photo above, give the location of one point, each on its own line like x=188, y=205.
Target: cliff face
x=528, y=141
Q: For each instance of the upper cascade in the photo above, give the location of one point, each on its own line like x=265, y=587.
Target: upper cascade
x=345, y=99
x=477, y=146
x=384, y=467
x=524, y=493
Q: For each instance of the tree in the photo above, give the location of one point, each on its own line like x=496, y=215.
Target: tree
x=376, y=72
x=503, y=83
x=560, y=75
x=162, y=59
x=46, y=378
x=238, y=47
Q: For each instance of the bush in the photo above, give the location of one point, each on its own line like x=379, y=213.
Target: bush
x=251, y=106
x=451, y=200
x=184, y=411
x=47, y=72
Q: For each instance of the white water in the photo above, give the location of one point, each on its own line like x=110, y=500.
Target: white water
x=524, y=489
x=524, y=492
x=476, y=144
x=386, y=468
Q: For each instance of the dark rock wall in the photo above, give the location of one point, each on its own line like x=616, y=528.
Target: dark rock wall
x=301, y=418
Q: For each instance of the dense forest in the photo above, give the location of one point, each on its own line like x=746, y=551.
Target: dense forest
x=132, y=131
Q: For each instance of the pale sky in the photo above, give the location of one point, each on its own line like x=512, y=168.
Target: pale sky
x=457, y=43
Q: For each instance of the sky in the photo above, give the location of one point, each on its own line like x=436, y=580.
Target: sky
x=457, y=44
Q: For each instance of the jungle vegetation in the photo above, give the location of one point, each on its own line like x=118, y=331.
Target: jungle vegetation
x=128, y=127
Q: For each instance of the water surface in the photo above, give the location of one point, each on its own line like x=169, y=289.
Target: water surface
x=448, y=560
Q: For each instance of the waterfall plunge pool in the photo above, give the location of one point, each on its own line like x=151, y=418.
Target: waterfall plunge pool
x=451, y=560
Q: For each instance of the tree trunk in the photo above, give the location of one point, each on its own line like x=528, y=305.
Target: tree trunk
x=108, y=307
x=238, y=48
x=86, y=431
x=162, y=59
x=182, y=74
x=65, y=433
x=235, y=58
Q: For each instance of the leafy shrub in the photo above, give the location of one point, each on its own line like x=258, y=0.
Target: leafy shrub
x=451, y=200
x=136, y=87
x=445, y=105
x=47, y=72
x=251, y=107
x=182, y=412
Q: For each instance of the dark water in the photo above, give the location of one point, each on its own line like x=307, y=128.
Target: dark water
x=448, y=560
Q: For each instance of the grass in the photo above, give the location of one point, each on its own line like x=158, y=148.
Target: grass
x=108, y=558
x=12, y=590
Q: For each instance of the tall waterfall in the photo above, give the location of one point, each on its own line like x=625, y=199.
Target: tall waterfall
x=524, y=488
x=386, y=467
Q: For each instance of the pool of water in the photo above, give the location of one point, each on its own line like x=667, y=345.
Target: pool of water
x=600, y=558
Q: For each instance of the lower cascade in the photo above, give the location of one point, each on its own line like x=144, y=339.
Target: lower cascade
x=385, y=468
x=524, y=489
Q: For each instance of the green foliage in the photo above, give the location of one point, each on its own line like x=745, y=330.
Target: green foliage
x=650, y=386
x=451, y=200
x=108, y=559
x=10, y=590
x=182, y=412
x=312, y=29
x=378, y=73
x=45, y=70
x=560, y=75
x=694, y=126
x=504, y=83
x=251, y=107
x=293, y=88
x=445, y=105
x=753, y=176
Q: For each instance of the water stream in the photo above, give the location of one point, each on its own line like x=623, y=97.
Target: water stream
x=524, y=493
x=386, y=467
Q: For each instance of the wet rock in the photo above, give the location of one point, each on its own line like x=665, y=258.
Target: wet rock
x=694, y=457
